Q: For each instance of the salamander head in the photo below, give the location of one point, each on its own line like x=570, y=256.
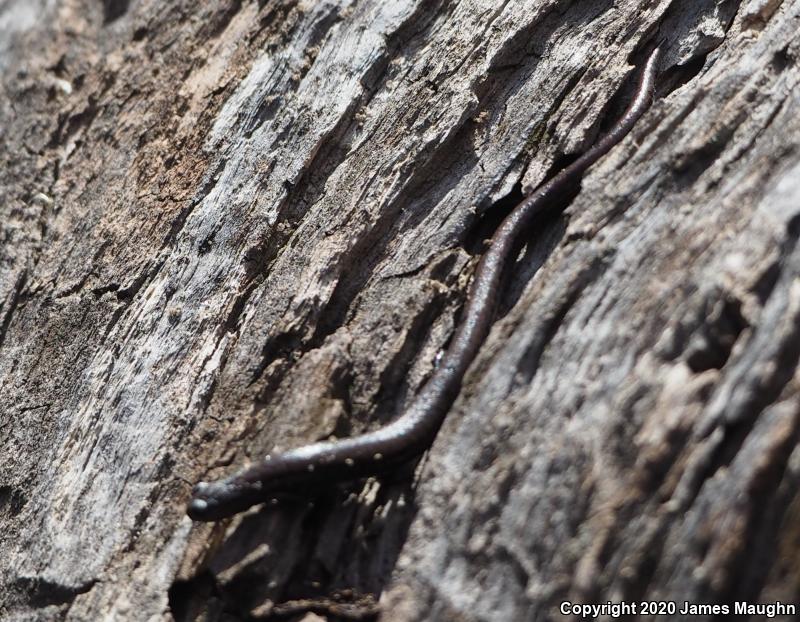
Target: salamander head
x=217, y=500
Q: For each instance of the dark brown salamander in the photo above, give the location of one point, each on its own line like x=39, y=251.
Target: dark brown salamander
x=412, y=433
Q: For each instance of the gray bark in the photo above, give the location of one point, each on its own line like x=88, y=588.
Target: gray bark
x=231, y=227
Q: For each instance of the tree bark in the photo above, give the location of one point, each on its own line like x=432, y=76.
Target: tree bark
x=234, y=227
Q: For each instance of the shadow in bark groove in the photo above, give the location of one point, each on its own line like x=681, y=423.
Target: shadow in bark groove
x=333, y=555
x=40, y=593
x=114, y=9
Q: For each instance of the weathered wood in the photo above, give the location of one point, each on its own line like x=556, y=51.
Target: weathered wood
x=238, y=226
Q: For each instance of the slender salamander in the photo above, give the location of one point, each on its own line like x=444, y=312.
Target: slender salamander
x=413, y=432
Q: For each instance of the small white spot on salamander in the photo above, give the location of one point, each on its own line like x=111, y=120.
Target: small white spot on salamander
x=349, y=462
x=378, y=457
x=310, y=468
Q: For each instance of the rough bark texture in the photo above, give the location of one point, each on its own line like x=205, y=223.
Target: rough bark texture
x=234, y=226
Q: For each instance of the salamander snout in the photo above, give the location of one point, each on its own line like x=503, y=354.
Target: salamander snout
x=204, y=502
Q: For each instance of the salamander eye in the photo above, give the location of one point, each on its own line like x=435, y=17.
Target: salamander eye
x=200, y=488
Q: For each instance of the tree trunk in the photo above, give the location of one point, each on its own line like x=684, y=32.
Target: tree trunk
x=231, y=227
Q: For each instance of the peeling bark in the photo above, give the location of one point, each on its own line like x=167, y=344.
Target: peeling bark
x=232, y=227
